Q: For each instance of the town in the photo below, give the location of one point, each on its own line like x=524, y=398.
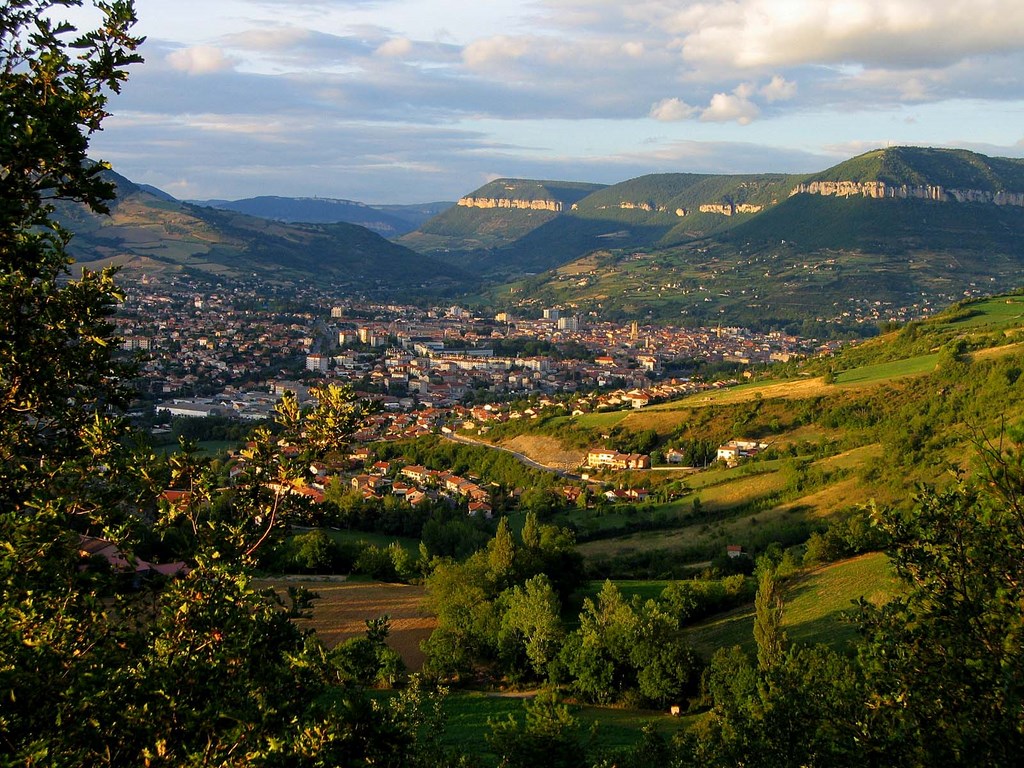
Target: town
x=208, y=345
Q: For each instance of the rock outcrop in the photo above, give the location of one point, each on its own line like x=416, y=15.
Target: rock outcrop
x=880, y=190
x=506, y=202
x=730, y=209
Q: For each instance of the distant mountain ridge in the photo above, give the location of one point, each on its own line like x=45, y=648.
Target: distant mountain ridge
x=891, y=227
x=150, y=232
x=387, y=220
x=516, y=226
x=942, y=175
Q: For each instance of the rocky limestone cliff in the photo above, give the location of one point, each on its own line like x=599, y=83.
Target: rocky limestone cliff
x=729, y=209
x=505, y=202
x=879, y=190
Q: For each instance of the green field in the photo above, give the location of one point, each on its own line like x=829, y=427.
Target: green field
x=816, y=605
x=605, y=419
x=467, y=713
x=205, y=447
x=879, y=372
x=1003, y=311
x=412, y=546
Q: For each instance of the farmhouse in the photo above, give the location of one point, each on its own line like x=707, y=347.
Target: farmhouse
x=734, y=450
x=602, y=458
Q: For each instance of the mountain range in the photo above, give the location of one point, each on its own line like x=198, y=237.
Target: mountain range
x=150, y=232
x=893, y=226
x=387, y=220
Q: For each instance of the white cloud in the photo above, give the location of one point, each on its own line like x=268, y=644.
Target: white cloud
x=779, y=89
x=672, y=110
x=395, y=48
x=772, y=33
x=634, y=49
x=200, y=60
x=589, y=75
x=268, y=39
x=729, y=107
x=494, y=50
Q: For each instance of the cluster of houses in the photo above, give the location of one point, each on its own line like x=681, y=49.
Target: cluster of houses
x=90, y=547
x=412, y=483
x=194, y=339
x=416, y=484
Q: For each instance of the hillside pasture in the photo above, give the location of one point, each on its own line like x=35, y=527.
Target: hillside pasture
x=1001, y=311
x=791, y=389
x=882, y=372
x=816, y=607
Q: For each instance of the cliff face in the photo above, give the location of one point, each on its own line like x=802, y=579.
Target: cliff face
x=729, y=209
x=879, y=189
x=505, y=202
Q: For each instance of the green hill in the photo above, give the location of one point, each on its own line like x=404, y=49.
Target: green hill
x=497, y=214
x=896, y=226
x=913, y=166
x=152, y=233
x=648, y=211
x=387, y=220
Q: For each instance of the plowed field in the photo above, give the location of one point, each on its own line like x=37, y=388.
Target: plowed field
x=343, y=608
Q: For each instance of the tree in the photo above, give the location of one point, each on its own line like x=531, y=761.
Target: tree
x=317, y=553
x=549, y=736
x=531, y=629
x=95, y=670
x=368, y=660
x=597, y=655
x=666, y=667
x=768, y=633
x=949, y=655
x=501, y=553
x=804, y=711
x=530, y=535
x=467, y=626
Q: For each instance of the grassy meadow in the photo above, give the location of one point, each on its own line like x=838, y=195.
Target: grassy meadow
x=817, y=607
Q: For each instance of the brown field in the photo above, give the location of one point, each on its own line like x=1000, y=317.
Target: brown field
x=547, y=451
x=343, y=608
x=791, y=390
x=1008, y=349
x=830, y=499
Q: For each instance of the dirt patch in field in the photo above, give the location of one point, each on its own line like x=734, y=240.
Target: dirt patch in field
x=790, y=390
x=547, y=451
x=343, y=608
x=1008, y=349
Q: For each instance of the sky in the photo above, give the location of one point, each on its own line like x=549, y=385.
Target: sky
x=409, y=101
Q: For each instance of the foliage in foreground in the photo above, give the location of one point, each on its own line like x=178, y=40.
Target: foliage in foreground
x=938, y=678
x=100, y=665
